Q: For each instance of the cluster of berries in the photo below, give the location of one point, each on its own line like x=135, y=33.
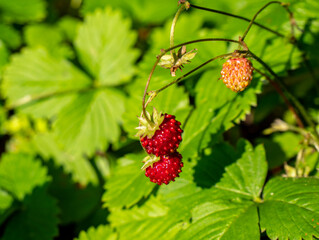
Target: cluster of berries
x=160, y=138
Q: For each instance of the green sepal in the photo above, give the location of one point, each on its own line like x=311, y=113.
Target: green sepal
x=147, y=128
x=149, y=160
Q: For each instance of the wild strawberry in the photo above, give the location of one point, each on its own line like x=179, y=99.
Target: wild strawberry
x=163, y=169
x=163, y=136
x=237, y=73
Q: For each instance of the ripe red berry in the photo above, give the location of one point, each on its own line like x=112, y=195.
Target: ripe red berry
x=166, y=139
x=166, y=169
x=237, y=73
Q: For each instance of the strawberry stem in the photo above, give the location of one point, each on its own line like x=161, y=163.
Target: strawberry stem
x=171, y=38
x=289, y=96
x=190, y=72
x=163, y=51
x=239, y=17
x=284, y=5
x=255, y=16
x=288, y=103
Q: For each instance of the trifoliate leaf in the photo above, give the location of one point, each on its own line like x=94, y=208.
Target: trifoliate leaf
x=10, y=36
x=37, y=221
x=20, y=11
x=291, y=208
x=20, y=174
x=223, y=220
x=104, y=43
x=128, y=184
x=102, y=232
x=34, y=75
x=90, y=121
x=79, y=167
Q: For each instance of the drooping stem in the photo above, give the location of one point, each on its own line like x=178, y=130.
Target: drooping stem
x=191, y=71
x=255, y=16
x=238, y=17
x=289, y=96
x=288, y=103
x=172, y=33
x=167, y=50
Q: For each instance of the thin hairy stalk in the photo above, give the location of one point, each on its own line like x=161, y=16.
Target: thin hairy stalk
x=171, y=38
x=159, y=58
x=191, y=71
x=284, y=89
x=255, y=16
x=288, y=103
x=203, y=40
x=239, y=17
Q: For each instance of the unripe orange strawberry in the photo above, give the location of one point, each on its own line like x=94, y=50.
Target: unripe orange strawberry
x=237, y=73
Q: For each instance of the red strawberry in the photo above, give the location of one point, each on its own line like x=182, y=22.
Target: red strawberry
x=164, y=137
x=237, y=73
x=166, y=169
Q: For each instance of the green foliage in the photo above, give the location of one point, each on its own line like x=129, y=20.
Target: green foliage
x=128, y=184
x=15, y=179
x=293, y=204
x=73, y=75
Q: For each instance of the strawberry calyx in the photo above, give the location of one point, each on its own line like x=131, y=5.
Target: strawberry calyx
x=147, y=128
x=149, y=160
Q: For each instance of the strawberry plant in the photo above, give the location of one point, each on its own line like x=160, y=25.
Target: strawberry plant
x=159, y=119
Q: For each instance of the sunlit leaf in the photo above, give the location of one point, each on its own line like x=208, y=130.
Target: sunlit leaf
x=128, y=184
x=15, y=179
x=104, y=43
x=291, y=208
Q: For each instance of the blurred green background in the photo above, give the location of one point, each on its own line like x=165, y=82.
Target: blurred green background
x=72, y=81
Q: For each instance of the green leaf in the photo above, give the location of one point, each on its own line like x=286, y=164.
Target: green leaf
x=128, y=184
x=69, y=25
x=20, y=11
x=48, y=36
x=218, y=108
x=152, y=208
x=10, y=36
x=291, y=208
x=20, y=174
x=75, y=201
x=281, y=147
x=104, y=44
x=5, y=201
x=37, y=221
x=78, y=166
x=247, y=176
x=4, y=57
x=102, y=232
x=34, y=74
x=143, y=222
x=140, y=10
x=223, y=220
x=210, y=168
x=90, y=121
